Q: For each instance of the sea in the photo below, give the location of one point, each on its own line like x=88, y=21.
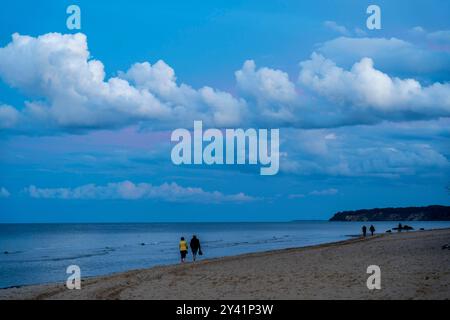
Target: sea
x=41, y=253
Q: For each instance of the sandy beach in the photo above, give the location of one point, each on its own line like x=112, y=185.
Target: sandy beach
x=413, y=266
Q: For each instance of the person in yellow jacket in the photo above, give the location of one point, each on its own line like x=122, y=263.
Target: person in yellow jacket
x=183, y=249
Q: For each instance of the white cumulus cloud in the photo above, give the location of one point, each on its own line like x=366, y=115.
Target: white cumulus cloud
x=127, y=190
x=392, y=55
x=273, y=96
x=70, y=89
x=384, y=150
x=363, y=86
x=4, y=193
x=265, y=84
x=211, y=105
x=67, y=90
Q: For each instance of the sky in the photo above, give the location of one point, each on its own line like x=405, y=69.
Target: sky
x=86, y=115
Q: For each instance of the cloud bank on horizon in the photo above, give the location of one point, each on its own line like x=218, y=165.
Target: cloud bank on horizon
x=127, y=190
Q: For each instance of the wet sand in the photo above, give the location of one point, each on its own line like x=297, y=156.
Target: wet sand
x=413, y=266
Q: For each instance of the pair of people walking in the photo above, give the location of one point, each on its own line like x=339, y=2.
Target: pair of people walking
x=194, y=245
x=371, y=229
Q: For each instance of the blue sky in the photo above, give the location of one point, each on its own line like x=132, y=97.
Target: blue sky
x=86, y=116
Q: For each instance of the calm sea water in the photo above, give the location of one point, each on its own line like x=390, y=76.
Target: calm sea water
x=40, y=253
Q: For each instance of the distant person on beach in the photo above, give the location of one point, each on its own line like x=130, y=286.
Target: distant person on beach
x=183, y=249
x=364, y=230
x=195, y=247
x=372, y=229
x=400, y=227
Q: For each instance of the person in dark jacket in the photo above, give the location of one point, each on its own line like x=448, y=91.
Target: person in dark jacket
x=364, y=230
x=372, y=229
x=195, y=247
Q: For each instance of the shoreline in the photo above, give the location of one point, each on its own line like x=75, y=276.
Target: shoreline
x=327, y=271
x=351, y=238
x=346, y=237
